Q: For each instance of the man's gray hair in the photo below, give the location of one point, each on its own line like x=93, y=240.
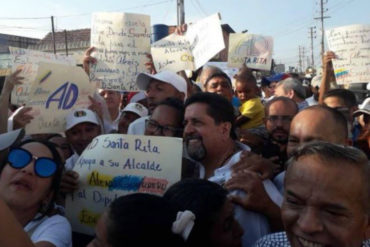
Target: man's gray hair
x=295, y=85
x=336, y=155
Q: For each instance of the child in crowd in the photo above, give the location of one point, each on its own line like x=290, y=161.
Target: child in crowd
x=252, y=110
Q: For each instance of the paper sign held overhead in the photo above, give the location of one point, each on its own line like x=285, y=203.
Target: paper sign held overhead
x=351, y=45
x=122, y=42
x=28, y=61
x=202, y=41
x=56, y=90
x=115, y=165
x=255, y=51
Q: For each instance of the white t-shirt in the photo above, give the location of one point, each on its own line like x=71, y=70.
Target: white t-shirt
x=137, y=127
x=71, y=161
x=311, y=101
x=255, y=225
x=55, y=230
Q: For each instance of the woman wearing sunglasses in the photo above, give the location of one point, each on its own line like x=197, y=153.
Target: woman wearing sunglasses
x=29, y=182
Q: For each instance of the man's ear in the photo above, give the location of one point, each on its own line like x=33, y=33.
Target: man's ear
x=291, y=93
x=225, y=129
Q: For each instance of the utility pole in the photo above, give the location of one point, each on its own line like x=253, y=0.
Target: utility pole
x=180, y=12
x=312, y=36
x=300, y=58
x=53, y=33
x=303, y=56
x=321, y=18
x=65, y=40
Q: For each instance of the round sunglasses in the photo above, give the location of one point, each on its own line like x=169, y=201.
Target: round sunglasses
x=44, y=167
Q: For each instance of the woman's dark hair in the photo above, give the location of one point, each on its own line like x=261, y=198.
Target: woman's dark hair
x=205, y=199
x=141, y=220
x=55, y=184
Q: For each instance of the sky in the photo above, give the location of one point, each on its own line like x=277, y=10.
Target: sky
x=287, y=21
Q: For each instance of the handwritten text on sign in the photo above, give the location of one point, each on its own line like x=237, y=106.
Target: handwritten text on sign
x=351, y=45
x=115, y=165
x=255, y=51
x=122, y=42
x=56, y=90
x=28, y=61
x=202, y=41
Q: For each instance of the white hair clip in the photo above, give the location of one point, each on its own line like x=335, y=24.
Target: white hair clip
x=184, y=224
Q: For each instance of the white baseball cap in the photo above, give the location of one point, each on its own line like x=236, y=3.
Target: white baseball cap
x=136, y=108
x=9, y=138
x=81, y=115
x=137, y=97
x=143, y=80
x=364, y=108
x=316, y=81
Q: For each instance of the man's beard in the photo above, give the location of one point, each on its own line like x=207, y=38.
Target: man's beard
x=279, y=139
x=195, y=147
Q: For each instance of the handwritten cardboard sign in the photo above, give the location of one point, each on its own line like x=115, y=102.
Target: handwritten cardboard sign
x=351, y=45
x=255, y=51
x=114, y=165
x=56, y=90
x=122, y=42
x=202, y=41
x=28, y=61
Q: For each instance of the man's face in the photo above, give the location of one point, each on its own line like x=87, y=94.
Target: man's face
x=221, y=86
x=278, y=121
x=201, y=133
x=125, y=120
x=279, y=91
x=324, y=204
x=112, y=98
x=312, y=125
x=158, y=91
x=80, y=135
x=165, y=121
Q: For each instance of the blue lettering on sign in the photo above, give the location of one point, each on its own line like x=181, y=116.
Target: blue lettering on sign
x=126, y=182
x=64, y=95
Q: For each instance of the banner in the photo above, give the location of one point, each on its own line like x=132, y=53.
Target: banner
x=351, y=45
x=56, y=90
x=202, y=41
x=122, y=42
x=114, y=165
x=255, y=51
x=28, y=61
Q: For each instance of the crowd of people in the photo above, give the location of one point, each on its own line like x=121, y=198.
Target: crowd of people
x=266, y=162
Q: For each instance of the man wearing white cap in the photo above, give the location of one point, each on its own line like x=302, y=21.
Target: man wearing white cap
x=82, y=126
x=129, y=114
x=315, y=86
x=158, y=87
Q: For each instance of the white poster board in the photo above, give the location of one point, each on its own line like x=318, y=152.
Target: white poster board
x=56, y=90
x=351, y=45
x=114, y=165
x=255, y=51
x=28, y=61
x=202, y=41
x=122, y=42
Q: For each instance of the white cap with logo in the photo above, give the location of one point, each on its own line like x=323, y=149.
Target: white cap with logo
x=80, y=115
x=143, y=80
x=136, y=108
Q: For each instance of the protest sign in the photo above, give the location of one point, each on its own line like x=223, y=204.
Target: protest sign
x=255, y=51
x=56, y=90
x=114, y=165
x=351, y=45
x=202, y=41
x=28, y=61
x=121, y=43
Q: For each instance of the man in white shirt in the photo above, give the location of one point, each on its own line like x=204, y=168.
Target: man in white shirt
x=158, y=87
x=210, y=140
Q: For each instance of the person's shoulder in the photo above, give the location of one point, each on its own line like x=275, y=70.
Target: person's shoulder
x=56, y=220
x=137, y=127
x=278, y=239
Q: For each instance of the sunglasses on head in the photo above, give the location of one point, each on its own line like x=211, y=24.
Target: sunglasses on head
x=19, y=158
